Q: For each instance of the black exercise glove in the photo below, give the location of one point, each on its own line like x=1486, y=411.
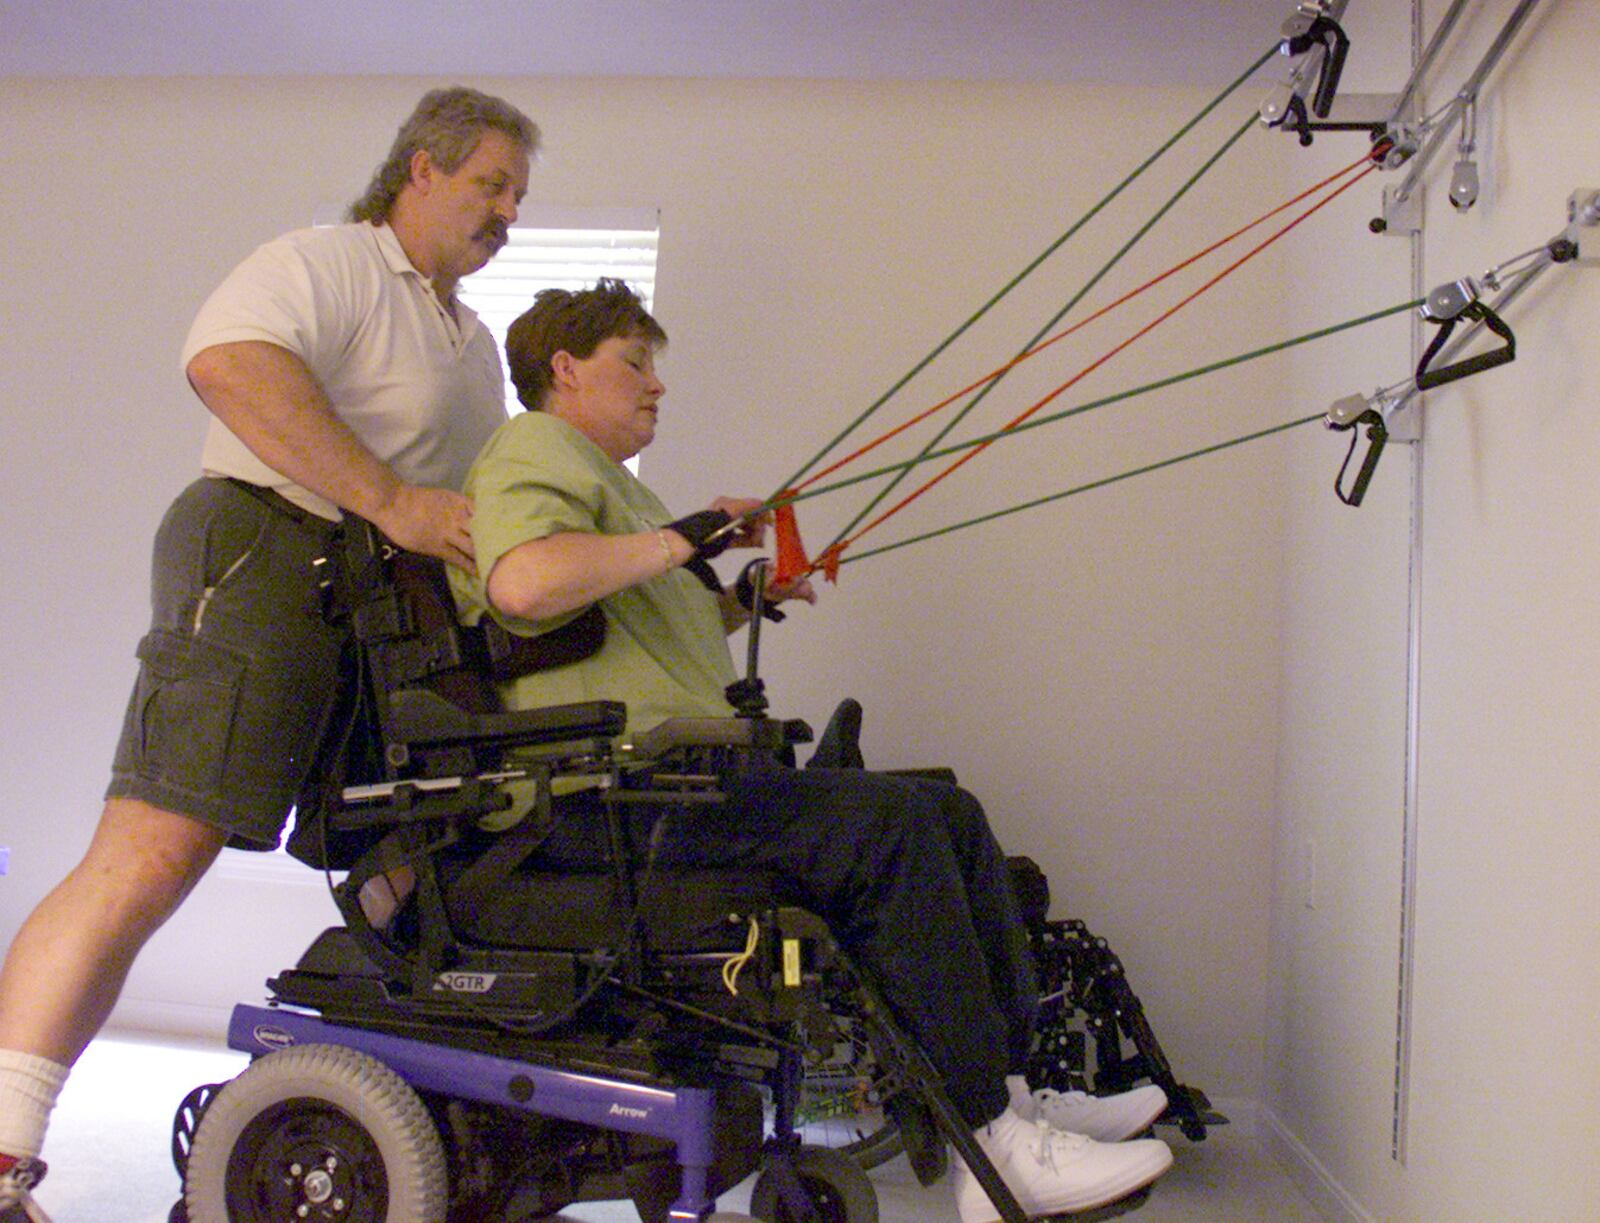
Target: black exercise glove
x=698, y=529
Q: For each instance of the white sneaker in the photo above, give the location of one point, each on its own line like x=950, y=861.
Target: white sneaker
x=1054, y=1172
x=1103, y=1118
x=16, y=1200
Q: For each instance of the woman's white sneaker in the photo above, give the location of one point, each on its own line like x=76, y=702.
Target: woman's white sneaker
x=1103, y=1118
x=1051, y=1171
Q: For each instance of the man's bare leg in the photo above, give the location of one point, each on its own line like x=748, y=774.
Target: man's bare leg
x=68, y=962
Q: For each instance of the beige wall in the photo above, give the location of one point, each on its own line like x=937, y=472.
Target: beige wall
x=1504, y=1075
x=1342, y=752
x=1186, y=695
x=1102, y=672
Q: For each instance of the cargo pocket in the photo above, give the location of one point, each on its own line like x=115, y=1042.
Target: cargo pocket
x=184, y=709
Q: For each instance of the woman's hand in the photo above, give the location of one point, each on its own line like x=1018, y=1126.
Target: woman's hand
x=751, y=532
x=797, y=588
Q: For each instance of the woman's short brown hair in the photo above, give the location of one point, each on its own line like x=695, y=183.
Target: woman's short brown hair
x=578, y=322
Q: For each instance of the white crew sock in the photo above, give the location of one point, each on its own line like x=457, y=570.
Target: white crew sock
x=29, y=1086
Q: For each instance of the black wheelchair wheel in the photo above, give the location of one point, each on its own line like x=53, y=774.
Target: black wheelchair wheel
x=653, y=1188
x=875, y=1146
x=842, y=1096
x=316, y=1132
x=184, y=1122
x=836, y=1185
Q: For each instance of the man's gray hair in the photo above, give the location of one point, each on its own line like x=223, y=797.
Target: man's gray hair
x=448, y=123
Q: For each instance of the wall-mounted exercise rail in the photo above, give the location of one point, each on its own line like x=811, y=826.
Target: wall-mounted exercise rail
x=1463, y=106
x=1403, y=138
x=1316, y=44
x=1452, y=300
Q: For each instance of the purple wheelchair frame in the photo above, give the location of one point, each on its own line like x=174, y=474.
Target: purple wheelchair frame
x=684, y=1116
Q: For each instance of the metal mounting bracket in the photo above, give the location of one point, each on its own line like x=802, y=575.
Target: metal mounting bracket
x=1583, y=212
x=1402, y=213
x=1402, y=137
x=1464, y=185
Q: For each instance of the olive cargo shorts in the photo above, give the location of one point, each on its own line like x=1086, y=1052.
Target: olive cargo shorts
x=239, y=672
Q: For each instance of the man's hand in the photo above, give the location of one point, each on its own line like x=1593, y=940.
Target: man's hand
x=433, y=521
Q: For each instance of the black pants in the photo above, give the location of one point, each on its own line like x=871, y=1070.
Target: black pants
x=913, y=885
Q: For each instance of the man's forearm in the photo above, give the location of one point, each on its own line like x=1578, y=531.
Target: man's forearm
x=270, y=400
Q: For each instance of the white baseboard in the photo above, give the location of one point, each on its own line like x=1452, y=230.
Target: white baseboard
x=1243, y=1114
x=1331, y=1199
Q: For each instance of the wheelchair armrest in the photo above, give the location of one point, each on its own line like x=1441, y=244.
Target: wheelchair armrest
x=419, y=717
x=934, y=773
x=765, y=734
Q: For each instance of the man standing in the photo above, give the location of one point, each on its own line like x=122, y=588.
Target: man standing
x=342, y=375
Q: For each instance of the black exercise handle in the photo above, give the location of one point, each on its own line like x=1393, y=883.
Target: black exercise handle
x=1377, y=438
x=1330, y=34
x=1297, y=120
x=1427, y=378
x=1338, y=44
x=744, y=590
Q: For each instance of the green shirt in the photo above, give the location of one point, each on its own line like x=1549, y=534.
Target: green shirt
x=666, y=651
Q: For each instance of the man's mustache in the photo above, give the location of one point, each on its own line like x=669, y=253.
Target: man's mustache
x=495, y=231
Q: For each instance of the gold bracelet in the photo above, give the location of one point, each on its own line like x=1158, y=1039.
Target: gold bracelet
x=666, y=551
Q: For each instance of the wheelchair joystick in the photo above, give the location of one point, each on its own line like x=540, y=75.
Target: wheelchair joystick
x=748, y=696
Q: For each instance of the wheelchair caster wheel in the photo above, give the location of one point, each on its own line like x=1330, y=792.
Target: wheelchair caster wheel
x=316, y=1132
x=838, y=1189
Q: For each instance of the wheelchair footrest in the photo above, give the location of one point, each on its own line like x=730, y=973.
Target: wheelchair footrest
x=1190, y=1110
x=1128, y=1204
x=1082, y=976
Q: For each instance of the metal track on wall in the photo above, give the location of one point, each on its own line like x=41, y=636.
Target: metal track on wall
x=1408, y=819
x=1423, y=59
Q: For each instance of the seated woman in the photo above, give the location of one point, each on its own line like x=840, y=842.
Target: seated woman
x=906, y=872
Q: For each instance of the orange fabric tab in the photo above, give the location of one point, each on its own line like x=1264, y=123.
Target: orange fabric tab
x=792, y=563
x=828, y=562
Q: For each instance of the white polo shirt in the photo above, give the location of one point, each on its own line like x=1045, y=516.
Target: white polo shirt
x=422, y=390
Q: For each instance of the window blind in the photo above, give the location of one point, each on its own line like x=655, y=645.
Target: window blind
x=536, y=258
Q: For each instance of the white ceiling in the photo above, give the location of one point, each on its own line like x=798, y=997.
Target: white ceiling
x=1197, y=42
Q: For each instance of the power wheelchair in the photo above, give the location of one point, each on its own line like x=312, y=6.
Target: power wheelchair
x=640, y=1033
